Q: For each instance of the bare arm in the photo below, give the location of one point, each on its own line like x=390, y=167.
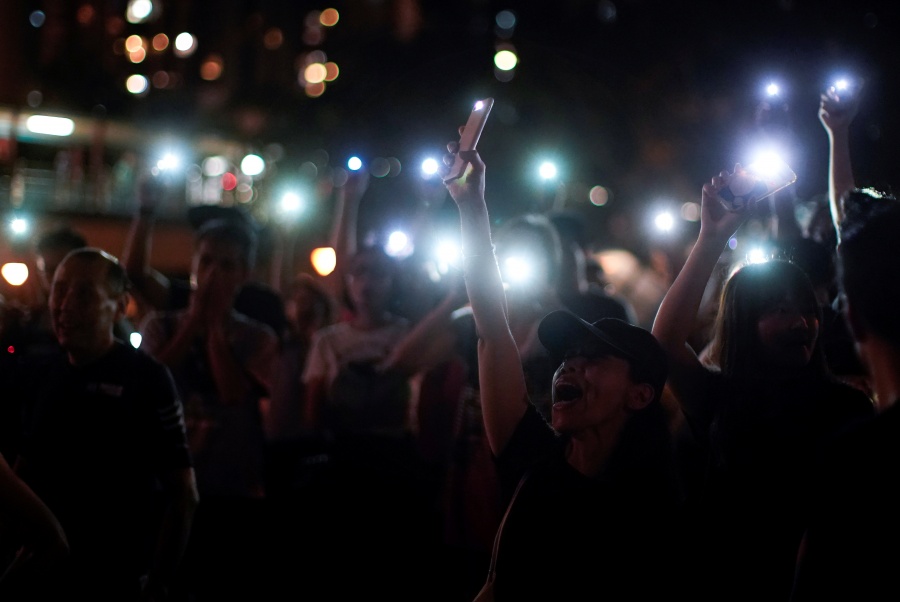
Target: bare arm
x=152, y=287
x=503, y=392
x=432, y=340
x=676, y=318
x=836, y=115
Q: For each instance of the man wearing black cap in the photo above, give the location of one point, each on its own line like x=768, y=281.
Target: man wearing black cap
x=593, y=492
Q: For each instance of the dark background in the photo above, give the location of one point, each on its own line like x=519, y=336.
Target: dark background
x=648, y=99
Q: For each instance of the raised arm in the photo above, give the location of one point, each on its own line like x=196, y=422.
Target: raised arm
x=836, y=112
x=502, y=381
x=676, y=318
x=151, y=286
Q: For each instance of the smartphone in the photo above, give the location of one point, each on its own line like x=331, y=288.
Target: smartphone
x=756, y=182
x=471, y=134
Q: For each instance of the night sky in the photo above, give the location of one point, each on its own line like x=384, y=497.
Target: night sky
x=648, y=99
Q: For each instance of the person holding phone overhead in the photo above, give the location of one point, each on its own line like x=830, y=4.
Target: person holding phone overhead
x=593, y=491
x=761, y=413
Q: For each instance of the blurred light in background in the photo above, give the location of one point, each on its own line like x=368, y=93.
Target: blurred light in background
x=135, y=339
x=18, y=226
x=429, y=166
x=15, y=273
x=315, y=73
x=354, y=163
x=212, y=68
x=690, y=211
x=399, y=245
x=185, y=45
x=505, y=19
x=37, y=18
x=50, y=126
x=516, y=270
x=215, y=166
x=290, y=203
x=506, y=59
x=168, y=162
x=329, y=17
x=160, y=42
x=757, y=255
x=772, y=89
x=323, y=260
x=229, y=181
x=138, y=11
x=253, y=165
x=447, y=253
x=599, y=196
x=664, y=221
x=547, y=170
x=137, y=84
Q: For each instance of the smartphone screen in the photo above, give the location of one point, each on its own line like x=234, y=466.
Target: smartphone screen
x=471, y=134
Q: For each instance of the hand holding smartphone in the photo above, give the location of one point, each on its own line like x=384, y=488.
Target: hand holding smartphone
x=470, y=135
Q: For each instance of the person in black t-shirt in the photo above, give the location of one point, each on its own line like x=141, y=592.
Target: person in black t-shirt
x=104, y=444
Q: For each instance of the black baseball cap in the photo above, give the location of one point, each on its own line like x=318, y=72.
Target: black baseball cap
x=561, y=331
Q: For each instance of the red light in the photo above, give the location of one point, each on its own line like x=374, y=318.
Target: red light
x=229, y=181
x=10, y=349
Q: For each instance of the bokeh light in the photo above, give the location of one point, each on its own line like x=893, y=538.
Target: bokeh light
x=430, y=166
x=547, y=170
x=138, y=11
x=329, y=17
x=212, y=67
x=18, y=226
x=50, y=126
x=354, y=163
x=229, y=181
x=137, y=84
x=15, y=273
x=253, y=165
x=599, y=196
x=664, y=221
x=323, y=260
x=506, y=60
x=37, y=18
x=160, y=42
x=185, y=45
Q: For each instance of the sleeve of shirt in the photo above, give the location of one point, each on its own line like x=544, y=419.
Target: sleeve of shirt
x=170, y=436
x=530, y=442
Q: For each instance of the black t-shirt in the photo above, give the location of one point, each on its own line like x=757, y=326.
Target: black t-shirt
x=95, y=441
x=852, y=549
x=571, y=537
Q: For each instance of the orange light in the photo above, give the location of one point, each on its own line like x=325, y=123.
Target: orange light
x=323, y=260
x=329, y=17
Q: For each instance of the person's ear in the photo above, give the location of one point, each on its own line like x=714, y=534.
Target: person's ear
x=639, y=396
x=122, y=306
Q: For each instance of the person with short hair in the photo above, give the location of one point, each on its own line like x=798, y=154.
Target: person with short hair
x=222, y=362
x=104, y=444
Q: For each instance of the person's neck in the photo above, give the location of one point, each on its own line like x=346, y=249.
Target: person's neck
x=589, y=452
x=83, y=357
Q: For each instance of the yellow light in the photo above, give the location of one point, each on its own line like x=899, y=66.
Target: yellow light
x=506, y=60
x=315, y=73
x=323, y=260
x=15, y=273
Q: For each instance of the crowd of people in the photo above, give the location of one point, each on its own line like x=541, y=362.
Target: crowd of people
x=368, y=434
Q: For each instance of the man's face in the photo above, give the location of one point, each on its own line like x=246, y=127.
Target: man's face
x=219, y=264
x=82, y=309
x=590, y=390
